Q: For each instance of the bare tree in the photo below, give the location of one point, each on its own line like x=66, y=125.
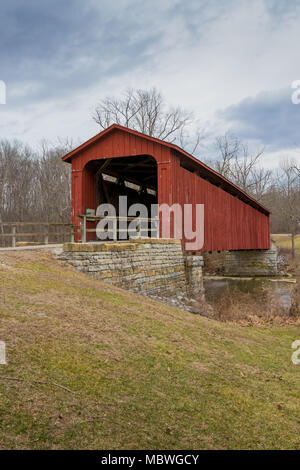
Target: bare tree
x=228, y=149
x=297, y=169
x=34, y=186
x=147, y=112
x=262, y=180
x=236, y=163
x=287, y=205
x=54, y=182
x=17, y=179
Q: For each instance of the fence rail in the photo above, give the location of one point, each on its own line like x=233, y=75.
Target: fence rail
x=14, y=234
x=142, y=227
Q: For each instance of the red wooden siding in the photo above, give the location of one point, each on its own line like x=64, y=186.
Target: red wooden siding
x=230, y=223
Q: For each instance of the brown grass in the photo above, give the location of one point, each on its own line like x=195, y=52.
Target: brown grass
x=261, y=308
x=285, y=241
x=144, y=375
x=214, y=263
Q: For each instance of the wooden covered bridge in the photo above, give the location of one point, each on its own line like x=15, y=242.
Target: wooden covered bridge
x=120, y=161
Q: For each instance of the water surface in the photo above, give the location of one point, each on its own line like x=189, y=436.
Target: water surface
x=216, y=287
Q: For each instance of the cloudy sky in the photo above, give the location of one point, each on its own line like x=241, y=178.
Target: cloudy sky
x=232, y=62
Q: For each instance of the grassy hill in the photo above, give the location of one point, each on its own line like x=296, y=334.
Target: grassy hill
x=138, y=374
x=285, y=241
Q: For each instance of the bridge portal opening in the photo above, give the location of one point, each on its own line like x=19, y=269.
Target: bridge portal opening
x=134, y=177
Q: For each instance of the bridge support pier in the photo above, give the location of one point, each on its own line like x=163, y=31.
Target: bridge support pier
x=194, y=275
x=251, y=263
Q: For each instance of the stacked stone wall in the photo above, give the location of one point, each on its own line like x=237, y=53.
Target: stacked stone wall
x=251, y=262
x=150, y=266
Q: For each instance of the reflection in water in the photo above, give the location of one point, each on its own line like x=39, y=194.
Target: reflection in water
x=215, y=288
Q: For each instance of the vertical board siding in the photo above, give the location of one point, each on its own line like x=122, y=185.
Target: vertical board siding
x=230, y=223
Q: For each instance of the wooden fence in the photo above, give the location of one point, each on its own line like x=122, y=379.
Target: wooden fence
x=142, y=227
x=14, y=233
x=35, y=232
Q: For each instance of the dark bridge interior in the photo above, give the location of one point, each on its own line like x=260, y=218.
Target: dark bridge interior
x=134, y=177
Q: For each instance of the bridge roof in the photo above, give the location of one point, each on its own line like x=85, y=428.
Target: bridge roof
x=216, y=177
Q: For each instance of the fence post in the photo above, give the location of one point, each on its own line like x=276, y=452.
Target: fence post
x=156, y=226
x=115, y=228
x=46, y=236
x=139, y=228
x=72, y=234
x=13, y=238
x=83, y=229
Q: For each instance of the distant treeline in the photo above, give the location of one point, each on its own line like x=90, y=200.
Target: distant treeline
x=35, y=185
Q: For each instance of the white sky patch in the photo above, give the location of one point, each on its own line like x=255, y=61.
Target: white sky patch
x=274, y=159
x=206, y=60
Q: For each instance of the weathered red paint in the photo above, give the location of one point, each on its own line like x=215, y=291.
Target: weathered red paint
x=233, y=220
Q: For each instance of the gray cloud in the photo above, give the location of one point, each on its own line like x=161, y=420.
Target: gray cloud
x=60, y=47
x=63, y=46
x=283, y=10
x=270, y=118
x=59, y=57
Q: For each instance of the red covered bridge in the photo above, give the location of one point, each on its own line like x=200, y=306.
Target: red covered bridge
x=166, y=174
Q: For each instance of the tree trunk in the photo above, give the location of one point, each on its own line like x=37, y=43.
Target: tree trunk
x=293, y=245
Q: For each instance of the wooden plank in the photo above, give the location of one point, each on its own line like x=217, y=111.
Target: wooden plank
x=36, y=223
x=32, y=234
